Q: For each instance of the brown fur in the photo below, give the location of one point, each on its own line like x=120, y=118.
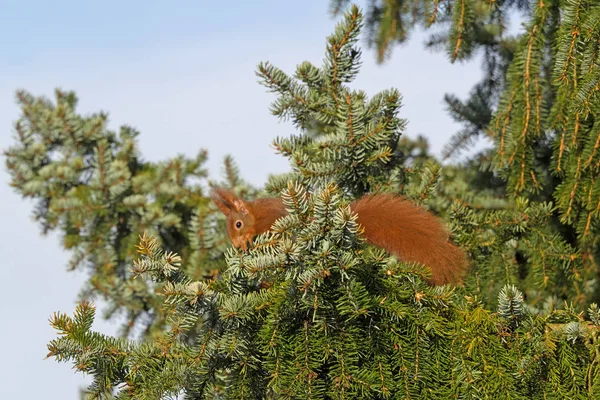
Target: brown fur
x=412, y=234
x=395, y=224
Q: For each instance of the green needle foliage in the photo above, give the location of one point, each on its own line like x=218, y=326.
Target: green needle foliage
x=91, y=185
x=538, y=102
x=310, y=311
x=462, y=29
x=334, y=322
x=546, y=128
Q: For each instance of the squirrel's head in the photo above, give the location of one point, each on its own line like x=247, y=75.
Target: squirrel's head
x=240, y=220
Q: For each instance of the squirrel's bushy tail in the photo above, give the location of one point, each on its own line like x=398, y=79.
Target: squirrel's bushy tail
x=412, y=234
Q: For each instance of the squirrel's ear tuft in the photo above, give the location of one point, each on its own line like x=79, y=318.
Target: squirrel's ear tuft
x=223, y=199
x=227, y=201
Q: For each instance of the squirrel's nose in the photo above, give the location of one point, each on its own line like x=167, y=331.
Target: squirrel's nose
x=245, y=241
x=241, y=242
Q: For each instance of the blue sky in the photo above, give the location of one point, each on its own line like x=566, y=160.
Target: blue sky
x=183, y=74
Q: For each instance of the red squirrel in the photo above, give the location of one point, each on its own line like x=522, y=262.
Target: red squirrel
x=390, y=222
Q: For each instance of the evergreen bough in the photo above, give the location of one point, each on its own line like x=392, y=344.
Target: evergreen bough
x=308, y=311
x=538, y=101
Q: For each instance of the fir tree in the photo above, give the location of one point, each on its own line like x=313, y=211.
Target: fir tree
x=546, y=128
x=462, y=29
x=538, y=102
x=93, y=186
x=337, y=319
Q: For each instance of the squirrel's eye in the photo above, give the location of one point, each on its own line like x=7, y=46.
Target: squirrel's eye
x=238, y=224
